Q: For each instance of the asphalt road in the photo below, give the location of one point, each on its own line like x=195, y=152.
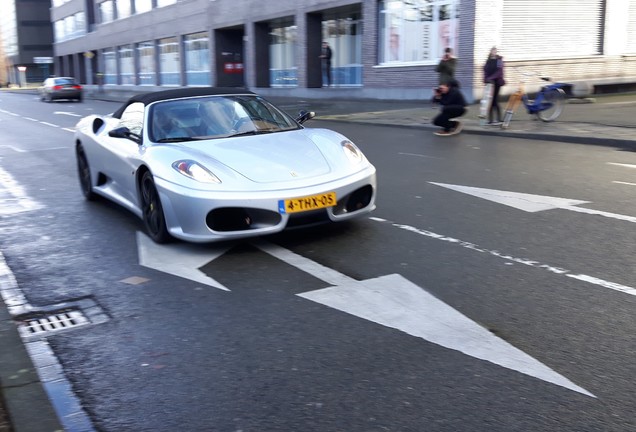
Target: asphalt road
x=448, y=310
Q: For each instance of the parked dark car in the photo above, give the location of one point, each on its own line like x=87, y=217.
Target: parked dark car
x=60, y=88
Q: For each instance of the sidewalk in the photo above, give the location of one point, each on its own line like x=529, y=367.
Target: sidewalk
x=610, y=121
x=607, y=120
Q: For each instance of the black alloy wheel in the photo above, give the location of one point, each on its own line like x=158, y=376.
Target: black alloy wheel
x=153, y=217
x=84, y=172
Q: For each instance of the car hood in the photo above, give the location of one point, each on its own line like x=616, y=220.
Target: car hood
x=266, y=158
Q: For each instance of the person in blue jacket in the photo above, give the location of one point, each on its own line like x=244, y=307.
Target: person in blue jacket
x=452, y=105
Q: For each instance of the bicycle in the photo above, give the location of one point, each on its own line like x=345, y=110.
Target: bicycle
x=547, y=105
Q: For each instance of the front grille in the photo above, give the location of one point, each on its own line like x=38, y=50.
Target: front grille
x=356, y=200
x=240, y=219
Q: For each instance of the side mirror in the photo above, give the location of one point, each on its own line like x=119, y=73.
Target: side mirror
x=303, y=116
x=124, y=132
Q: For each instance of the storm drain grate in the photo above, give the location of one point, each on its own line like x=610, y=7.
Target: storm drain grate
x=55, y=322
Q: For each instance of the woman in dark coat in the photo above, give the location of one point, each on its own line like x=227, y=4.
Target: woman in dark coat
x=494, y=73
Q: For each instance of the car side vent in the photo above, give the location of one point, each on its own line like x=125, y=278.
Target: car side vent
x=97, y=124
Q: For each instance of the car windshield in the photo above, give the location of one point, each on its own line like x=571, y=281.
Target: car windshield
x=64, y=81
x=215, y=117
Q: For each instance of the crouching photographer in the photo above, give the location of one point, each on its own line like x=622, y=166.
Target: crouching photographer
x=453, y=105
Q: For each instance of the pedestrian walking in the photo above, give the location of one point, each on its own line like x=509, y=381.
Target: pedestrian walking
x=452, y=105
x=494, y=74
x=446, y=67
x=326, y=64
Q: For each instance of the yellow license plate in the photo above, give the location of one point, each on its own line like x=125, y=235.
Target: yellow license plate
x=307, y=203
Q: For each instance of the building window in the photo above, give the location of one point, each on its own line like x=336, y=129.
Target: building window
x=69, y=27
x=197, y=59
x=283, y=71
x=142, y=6
x=109, y=58
x=417, y=31
x=123, y=8
x=106, y=11
x=126, y=65
x=146, y=55
x=169, y=61
x=344, y=35
x=80, y=24
x=58, y=30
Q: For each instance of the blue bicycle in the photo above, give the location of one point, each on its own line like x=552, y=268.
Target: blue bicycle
x=547, y=105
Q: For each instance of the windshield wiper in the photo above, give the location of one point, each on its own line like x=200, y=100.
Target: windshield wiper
x=253, y=132
x=177, y=139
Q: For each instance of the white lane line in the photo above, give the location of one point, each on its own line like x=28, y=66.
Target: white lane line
x=72, y=114
x=602, y=213
x=624, y=183
x=15, y=149
x=69, y=129
x=49, y=124
x=31, y=119
x=48, y=149
x=525, y=261
x=622, y=165
x=418, y=155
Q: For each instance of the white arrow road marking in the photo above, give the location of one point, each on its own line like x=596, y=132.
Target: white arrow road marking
x=395, y=302
x=522, y=201
x=391, y=301
x=178, y=259
x=532, y=203
x=332, y=277
x=13, y=198
x=67, y=113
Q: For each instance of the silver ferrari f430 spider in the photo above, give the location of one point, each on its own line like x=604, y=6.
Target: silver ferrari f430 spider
x=209, y=164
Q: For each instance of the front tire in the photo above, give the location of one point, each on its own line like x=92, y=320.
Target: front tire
x=553, y=101
x=84, y=173
x=152, y=211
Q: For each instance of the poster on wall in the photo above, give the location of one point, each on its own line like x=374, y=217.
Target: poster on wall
x=417, y=31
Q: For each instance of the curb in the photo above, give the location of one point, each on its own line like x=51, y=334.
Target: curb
x=468, y=130
x=26, y=401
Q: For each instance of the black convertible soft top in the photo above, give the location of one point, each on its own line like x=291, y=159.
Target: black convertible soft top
x=181, y=92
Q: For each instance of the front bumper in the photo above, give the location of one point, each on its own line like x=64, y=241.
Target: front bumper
x=202, y=216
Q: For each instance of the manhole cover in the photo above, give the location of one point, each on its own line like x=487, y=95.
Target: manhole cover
x=54, y=322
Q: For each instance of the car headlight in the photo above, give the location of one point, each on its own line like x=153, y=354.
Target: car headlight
x=195, y=171
x=353, y=153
